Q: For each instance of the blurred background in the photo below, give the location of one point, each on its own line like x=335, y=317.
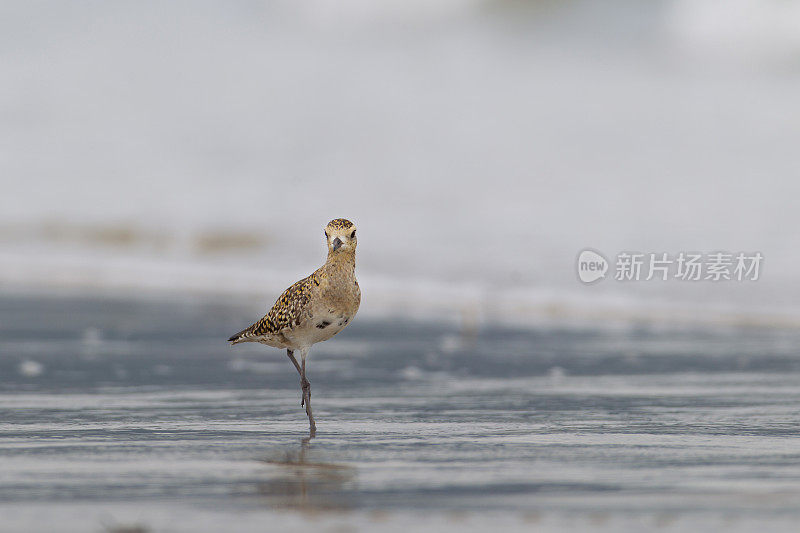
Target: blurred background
x=167, y=168
x=479, y=145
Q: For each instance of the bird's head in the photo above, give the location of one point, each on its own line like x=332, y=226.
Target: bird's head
x=341, y=236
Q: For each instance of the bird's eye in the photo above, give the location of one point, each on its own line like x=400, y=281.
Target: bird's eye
x=353, y=235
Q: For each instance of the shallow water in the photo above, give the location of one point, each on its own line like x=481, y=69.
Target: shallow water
x=131, y=412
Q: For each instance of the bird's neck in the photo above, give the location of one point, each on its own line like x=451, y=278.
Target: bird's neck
x=343, y=261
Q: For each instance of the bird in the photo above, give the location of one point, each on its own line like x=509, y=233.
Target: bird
x=313, y=309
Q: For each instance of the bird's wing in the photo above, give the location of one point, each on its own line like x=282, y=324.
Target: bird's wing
x=286, y=313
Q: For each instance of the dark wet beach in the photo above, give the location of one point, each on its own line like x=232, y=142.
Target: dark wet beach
x=117, y=412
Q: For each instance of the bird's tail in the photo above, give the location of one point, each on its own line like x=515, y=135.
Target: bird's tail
x=242, y=336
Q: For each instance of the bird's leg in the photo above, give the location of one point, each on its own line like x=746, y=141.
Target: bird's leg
x=305, y=384
x=307, y=397
x=290, y=353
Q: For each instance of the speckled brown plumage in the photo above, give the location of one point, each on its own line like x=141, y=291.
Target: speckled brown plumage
x=340, y=223
x=331, y=293
x=286, y=312
x=313, y=309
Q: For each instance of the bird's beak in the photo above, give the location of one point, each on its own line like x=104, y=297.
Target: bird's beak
x=337, y=243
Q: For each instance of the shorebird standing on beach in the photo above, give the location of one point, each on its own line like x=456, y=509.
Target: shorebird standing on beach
x=315, y=308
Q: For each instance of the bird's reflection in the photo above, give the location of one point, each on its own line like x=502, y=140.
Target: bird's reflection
x=305, y=484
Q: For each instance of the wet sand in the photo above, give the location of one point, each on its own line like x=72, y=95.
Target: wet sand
x=121, y=413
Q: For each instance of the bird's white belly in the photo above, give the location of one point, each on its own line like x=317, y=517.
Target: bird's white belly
x=320, y=328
